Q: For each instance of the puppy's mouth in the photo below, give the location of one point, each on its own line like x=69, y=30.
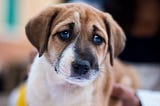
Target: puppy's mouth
x=78, y=79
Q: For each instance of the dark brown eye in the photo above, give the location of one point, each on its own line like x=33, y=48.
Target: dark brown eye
x=97, y=40
x=64, y=35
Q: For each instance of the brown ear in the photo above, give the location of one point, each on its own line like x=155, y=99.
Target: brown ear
x=38, y=29
x=116, y=37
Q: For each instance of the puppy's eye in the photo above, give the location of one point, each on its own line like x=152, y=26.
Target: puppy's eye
x=97, y=40
x=64, y=35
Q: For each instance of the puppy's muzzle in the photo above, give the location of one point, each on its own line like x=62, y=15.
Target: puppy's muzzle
x=80, y=67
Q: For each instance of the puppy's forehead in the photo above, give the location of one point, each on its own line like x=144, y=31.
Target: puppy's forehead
x=83, y=16
x=80, y=11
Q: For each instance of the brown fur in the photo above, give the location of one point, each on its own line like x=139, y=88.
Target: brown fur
x=42, y=30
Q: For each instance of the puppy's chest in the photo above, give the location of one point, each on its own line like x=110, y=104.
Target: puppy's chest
x=71, y=98
x=73, y=102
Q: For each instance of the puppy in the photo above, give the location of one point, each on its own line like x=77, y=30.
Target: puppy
x=77, y=45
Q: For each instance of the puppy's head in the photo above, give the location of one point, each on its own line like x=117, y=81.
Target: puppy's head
x=75, y=39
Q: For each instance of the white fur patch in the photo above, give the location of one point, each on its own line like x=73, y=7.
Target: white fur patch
x=65, y=63
x=76, y=15
x=37, y=83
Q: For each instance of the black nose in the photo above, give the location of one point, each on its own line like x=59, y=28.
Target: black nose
x=81, y=67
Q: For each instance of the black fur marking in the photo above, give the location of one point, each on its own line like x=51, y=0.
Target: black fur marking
x=85, y=53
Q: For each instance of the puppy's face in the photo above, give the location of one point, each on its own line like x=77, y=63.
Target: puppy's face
x=75, y=39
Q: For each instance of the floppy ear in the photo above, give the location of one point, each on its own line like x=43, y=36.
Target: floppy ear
x=38, y=29
x=116, y=37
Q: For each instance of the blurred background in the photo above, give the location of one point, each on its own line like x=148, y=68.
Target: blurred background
x=140, y=19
